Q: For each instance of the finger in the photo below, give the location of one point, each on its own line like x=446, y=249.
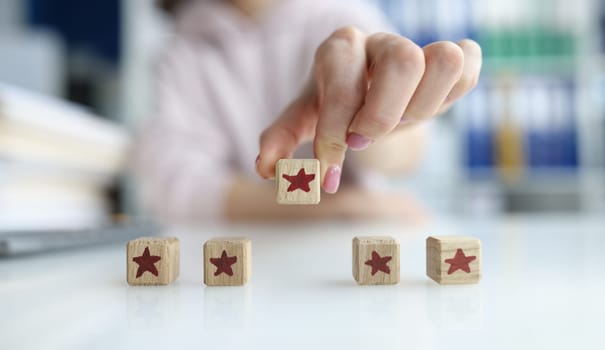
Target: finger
x=397, y=68
x=470, y=72
x=341, y=76
x=295, y=126
x=444, y=65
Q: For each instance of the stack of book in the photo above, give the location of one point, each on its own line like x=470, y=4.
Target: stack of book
x=57, y=162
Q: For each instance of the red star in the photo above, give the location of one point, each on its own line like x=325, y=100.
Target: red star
x=223, y=264
x=299, y=181
x=379, y=263
x=146, y=263
x=459, y=262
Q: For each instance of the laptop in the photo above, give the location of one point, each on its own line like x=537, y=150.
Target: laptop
x=33, y=242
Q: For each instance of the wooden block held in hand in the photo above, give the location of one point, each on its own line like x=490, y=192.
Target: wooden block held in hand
x=152, y=261
x=227, y=261
x=376, y=260
x=297, y=181
x=453, y=259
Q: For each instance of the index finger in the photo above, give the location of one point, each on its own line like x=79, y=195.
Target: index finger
x=340, y=72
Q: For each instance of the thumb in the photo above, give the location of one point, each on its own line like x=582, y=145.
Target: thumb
x=295, y=126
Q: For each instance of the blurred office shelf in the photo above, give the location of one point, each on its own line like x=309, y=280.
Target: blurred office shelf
x=562, y=66
x=531, y=137
x=555, y=190
x=528, y=43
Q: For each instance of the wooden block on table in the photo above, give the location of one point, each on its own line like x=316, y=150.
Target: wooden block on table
x=152, y=261
x=453, y=259
x=376, y=260
x=297, y=181
x=227, y=261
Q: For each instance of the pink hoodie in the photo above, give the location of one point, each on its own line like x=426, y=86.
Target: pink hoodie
x=218, y=84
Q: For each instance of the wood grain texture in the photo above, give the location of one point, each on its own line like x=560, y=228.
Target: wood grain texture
x=291, y=167
x=238, y=247
x=362, y=252
x=168, y=266
x=440, y=248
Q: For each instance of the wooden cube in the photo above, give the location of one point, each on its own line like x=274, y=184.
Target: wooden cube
x=297, y=181
x=152, y=261
x=227, y=261
x=376, y=260
x=453, y=259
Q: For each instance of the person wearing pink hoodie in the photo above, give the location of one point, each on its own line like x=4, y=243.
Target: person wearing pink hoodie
x=310, y=79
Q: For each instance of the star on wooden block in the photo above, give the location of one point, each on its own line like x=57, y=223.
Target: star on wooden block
x=152, y=261
x=297, y=181
x=453, y=259
x=379, y=263
x=146, y=263
x=376, y=260
x=227, y=261
x=223, y=264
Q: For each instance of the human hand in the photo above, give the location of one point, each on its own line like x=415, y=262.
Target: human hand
x=363, y=88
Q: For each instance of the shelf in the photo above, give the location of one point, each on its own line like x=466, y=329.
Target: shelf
x=558, y=65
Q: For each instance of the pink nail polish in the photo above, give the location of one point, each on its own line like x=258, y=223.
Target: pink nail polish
x=332, y=180
x=358, y=142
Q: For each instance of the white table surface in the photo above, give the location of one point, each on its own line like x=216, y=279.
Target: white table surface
x=542, y=288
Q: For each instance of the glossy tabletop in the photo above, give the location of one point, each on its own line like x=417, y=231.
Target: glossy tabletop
x=543, y=287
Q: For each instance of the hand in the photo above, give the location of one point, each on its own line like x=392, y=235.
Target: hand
x=363, y=88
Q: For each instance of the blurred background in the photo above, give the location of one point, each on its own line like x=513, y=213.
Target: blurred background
x=530, y=138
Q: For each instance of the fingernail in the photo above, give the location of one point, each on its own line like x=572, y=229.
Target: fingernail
x=257, y=159
x=358, y=142
x=332, y=180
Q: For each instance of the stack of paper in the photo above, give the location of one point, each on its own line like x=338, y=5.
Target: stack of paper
x=56, y=162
